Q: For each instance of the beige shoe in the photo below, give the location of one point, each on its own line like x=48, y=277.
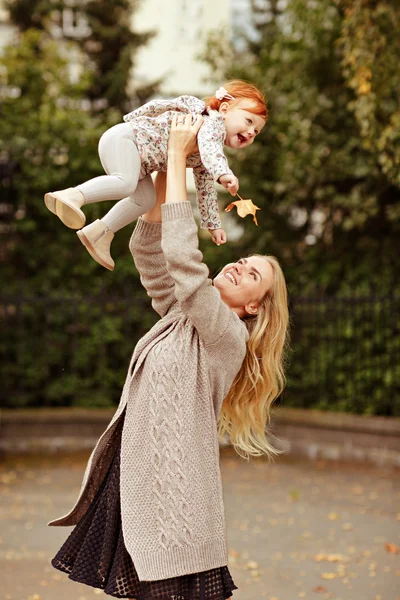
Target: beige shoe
x=66, y=204
x=97, y=238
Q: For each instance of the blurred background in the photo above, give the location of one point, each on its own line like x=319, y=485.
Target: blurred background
x=324, y=171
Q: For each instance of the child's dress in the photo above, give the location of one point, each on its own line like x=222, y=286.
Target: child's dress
x=151, y=124
x=95, y=554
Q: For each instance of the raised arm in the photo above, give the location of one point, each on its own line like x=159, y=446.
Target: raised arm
x=149, y=258
x=210, y=140
x=197, y=297
x=207, y=199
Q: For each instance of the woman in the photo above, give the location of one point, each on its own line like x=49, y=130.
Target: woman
x=149, y=519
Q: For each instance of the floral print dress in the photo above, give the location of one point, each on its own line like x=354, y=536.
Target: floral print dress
x=151, y=124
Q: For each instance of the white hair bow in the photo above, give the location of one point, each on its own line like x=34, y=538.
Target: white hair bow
x=221, y=93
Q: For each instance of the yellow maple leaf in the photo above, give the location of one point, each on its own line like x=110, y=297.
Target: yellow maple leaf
x=244, y=207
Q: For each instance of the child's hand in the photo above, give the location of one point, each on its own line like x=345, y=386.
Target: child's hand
x=230, y=182
x=218, y=236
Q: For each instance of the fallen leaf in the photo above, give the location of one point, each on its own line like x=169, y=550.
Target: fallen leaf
x=330, y=557
x=392, y=548
x=255, y=573
x=328, y=575
x=320, y=588
x=244, y=208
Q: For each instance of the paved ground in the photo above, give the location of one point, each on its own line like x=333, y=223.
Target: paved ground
x=296, y=529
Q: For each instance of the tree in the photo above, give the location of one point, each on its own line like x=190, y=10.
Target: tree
x=325, y=169
x=50, y=139
x=102, y=29
x=71, y=325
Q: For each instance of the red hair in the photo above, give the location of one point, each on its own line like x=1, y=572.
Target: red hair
x=241, y=90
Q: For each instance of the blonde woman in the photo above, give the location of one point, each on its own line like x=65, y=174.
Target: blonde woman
x=150, y=520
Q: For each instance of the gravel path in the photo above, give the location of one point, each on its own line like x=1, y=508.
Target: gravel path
x=296, y=529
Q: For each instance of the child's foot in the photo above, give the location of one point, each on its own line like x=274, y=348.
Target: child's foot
x=97, y=238
x=66, y=204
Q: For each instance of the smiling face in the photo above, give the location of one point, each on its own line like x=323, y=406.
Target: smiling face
x=243, y=284
x=242, y=126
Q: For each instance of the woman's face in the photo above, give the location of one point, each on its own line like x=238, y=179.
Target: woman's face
x=243, y=284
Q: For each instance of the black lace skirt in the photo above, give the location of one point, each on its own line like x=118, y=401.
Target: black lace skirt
x=95, y=554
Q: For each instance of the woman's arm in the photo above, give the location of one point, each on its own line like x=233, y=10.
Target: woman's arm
x=160, y=184
x=149, y=258
x=146, y=239
x=182, y=142
x=197, y=297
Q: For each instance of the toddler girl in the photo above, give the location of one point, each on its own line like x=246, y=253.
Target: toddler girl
x=131, y=151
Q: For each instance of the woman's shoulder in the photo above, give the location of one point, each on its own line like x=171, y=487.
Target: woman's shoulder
x=234, y=337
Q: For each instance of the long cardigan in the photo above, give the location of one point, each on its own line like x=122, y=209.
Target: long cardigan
x=172, y=509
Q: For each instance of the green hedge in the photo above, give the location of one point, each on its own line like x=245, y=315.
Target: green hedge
x=74, y=351
x=345, y=355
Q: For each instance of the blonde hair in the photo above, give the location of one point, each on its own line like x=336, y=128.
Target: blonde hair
x=245, y=412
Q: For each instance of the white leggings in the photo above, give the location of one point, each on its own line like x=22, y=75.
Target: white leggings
x=121, y=161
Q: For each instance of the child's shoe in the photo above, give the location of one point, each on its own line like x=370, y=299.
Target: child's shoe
x=66, y=204
x=97, y=238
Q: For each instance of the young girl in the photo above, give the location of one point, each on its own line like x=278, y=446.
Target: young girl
x=150, y=519
x=130, y=151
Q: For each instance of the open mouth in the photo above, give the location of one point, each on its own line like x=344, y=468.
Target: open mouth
x=231, y=278
x=241, y=138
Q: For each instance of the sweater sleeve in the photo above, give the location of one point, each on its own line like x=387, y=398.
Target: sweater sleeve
x=207, y=199
x=156, y=107
x=153, y=108
x=196, y=296
x=145, y=245
x=210, y=141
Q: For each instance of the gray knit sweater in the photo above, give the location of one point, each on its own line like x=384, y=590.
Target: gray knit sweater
x=172, y=507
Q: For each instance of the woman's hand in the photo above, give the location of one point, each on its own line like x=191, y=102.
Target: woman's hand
x=182, y=142
x=183, y=135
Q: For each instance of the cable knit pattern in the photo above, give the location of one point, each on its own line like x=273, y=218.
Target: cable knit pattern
x=170, y=484
x=172, y=509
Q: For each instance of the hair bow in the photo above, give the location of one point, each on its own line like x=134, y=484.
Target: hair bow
x=221, y=93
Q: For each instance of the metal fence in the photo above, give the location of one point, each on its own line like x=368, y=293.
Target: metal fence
x=60, y=351
x=345, y=354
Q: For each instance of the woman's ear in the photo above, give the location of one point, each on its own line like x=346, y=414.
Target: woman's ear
x=251, y=308
x=223, y=107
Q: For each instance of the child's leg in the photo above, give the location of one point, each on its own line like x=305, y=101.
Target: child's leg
x=97, y=236
x=129, y=209
x=121, y=161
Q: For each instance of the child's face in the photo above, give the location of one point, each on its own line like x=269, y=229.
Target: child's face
x=242, y=126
